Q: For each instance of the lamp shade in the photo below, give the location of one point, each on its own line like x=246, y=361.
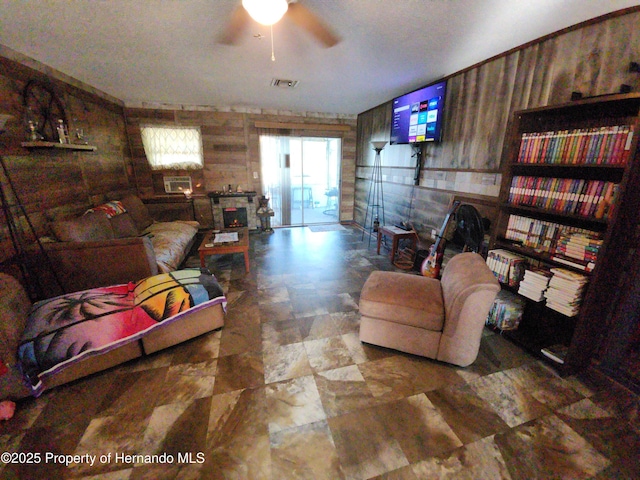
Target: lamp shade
x=266, y=12
x=379, y=145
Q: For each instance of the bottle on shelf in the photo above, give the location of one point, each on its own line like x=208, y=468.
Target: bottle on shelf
x=34, y=136
x=63, y=133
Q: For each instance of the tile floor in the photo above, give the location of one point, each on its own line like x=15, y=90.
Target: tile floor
x=286, y=391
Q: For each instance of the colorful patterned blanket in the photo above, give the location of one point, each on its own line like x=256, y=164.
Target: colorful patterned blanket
x=63, y=330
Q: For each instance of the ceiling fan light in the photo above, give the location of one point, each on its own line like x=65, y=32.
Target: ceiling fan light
x=266, y=12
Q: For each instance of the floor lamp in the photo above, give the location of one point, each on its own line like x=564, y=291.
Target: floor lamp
x=18, y=241
x=375, y=199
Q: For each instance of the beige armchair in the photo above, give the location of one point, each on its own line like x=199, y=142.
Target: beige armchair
x=440, y=319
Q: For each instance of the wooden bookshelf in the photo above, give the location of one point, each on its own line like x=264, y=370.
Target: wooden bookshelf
x=605, y=130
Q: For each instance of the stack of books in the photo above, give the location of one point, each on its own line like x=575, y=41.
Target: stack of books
x=579, y=250
x=506, y=312
x=534, y=284
x=564, y=293
x=506, y=266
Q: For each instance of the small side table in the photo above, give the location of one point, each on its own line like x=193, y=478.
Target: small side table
x=396, y=235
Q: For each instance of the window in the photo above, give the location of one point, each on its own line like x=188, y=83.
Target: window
x=178, y=148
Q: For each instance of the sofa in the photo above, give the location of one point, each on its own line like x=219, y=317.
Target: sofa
x=439, y=319
x=115, y=242
x=65, y=338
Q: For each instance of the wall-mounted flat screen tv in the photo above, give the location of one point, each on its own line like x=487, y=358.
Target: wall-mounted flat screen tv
x=417, y=115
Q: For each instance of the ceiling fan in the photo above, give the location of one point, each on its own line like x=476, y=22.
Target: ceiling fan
x=269, y=12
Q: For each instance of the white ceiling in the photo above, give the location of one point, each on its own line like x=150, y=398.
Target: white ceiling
x=165, y=51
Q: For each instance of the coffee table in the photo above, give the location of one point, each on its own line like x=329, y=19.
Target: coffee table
x=207, y=247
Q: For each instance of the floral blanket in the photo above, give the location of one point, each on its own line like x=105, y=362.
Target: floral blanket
x=63, y=330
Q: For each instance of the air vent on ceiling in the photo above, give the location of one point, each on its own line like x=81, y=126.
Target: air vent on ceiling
x=279, y=82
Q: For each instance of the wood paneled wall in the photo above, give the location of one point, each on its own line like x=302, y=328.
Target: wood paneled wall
x=54, y=184
x=231, y=147
x=592, y=59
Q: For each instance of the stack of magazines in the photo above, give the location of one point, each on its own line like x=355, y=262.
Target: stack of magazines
x=565, y=290
x=578, y=249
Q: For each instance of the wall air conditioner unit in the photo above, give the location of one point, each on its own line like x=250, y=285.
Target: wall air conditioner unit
x=177, y=184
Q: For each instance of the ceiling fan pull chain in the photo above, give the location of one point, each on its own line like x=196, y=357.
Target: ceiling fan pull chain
x=273, y=55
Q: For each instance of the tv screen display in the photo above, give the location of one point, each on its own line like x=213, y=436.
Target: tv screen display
x=417, y=115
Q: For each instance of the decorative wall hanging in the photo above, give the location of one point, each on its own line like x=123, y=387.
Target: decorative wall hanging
x=43, y=110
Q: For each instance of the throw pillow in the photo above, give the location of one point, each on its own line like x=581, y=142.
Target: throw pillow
x=110, y=209
x=138, y=210
x=123, y=226
x=87, y=228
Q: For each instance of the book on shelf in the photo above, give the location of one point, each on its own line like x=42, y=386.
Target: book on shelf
x=566, y=242
x=578, y=249
x=537, y=234
x=534, y=284
x=607, y=145
x=557, y=352
x=565, y=291
x=584, y=265
x=531, y=293
x=561, y=274
x=587, y=198
x=506, y=311
x=508, y=267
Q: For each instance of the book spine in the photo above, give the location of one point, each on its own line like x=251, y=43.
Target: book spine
x=612, y=134
x=597, y=198
x=626, y=152
x=524, y=139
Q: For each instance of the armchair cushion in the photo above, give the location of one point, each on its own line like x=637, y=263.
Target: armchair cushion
x=138, y=211
x=14, y=309
x=123, y=226
x=462, y=281
x=442, y=320
x=407, y=299
x=86, y=228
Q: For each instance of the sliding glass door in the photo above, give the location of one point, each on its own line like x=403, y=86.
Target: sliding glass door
x=301, y=177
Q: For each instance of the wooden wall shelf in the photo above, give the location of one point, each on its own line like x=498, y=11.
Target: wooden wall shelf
x=64, y=146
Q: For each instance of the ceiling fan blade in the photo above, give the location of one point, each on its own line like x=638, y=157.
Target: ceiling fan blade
x=305, y=19
x=236, y=25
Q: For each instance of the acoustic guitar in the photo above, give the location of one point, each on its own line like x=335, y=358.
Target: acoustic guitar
x=433, y=263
